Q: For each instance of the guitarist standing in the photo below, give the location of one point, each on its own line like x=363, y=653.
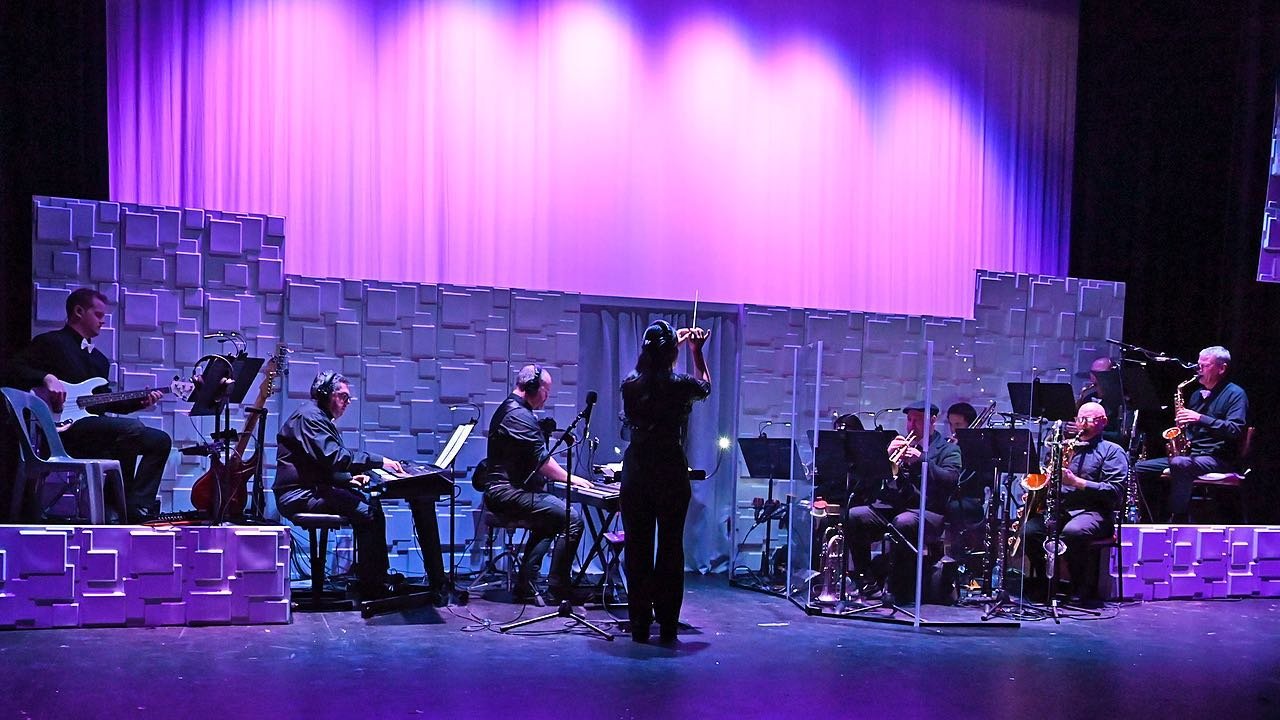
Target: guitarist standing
x=68, y=356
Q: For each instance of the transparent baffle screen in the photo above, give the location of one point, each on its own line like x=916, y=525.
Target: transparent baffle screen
x=800, y=527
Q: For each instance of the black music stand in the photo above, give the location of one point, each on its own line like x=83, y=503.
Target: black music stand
x=448, y=460
x=996, y=453
x=774, y=459
x=225, y=380
x=1044, y=401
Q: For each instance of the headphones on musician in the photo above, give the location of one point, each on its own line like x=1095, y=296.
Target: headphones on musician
x=532, y=385
x=325, y=383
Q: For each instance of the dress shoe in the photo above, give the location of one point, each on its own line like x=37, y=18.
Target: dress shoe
x=667, y=632
x=641, y=633
x=142, y=515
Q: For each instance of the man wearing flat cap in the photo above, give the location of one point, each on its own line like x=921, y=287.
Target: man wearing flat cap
x=896, y=502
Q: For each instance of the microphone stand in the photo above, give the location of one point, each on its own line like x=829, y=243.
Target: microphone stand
x=565, y=610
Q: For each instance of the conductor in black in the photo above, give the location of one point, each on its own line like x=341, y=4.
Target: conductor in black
x=656, y=402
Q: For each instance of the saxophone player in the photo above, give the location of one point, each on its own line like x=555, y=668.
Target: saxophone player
x=1213, y=418
x=1092, y=488
x=897, y=502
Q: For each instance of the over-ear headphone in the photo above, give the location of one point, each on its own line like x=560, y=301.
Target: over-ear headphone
x=533, y=384
x=662, y=339
x=324, y=385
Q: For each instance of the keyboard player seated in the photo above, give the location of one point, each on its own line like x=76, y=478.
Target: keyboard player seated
x=316, y=473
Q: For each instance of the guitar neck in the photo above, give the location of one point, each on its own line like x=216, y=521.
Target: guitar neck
x=88, y=401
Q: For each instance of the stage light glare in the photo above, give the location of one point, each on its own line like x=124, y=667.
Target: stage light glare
x=723, y=443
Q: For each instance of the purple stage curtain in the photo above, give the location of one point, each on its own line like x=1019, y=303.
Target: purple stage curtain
x=836, y=154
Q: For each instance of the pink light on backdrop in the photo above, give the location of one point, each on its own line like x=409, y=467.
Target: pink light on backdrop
x=830, y=154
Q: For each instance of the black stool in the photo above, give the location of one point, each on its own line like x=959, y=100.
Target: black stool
x=319, y=599
x=486, y=580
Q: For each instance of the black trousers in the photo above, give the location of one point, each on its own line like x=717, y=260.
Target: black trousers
x=544, y=513
x=369, y=528
x=142, y=451
x=1079, y=529
x=868, y=523
x=1174, y=498
x=655, y=498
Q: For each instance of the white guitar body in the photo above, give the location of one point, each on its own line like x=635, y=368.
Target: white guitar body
x=80, y=397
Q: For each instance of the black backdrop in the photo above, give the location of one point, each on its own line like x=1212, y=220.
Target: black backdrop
x=1173, y=128
x=1174, y=112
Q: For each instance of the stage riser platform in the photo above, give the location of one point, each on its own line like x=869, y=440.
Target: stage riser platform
x=1198, y=562
x=101, y=576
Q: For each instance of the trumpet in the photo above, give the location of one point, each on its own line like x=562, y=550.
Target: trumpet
x=897, y=457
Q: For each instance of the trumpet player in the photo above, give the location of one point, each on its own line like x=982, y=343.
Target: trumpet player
x=1092, y=487
x=896, y=502
x=1212, y=417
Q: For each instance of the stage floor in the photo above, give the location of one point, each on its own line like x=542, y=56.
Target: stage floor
x=750, y=655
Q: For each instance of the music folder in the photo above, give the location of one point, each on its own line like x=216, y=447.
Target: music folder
x=1049, y=401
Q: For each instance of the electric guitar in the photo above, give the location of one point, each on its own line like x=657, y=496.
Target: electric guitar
x=238, y=470
x=80, y=397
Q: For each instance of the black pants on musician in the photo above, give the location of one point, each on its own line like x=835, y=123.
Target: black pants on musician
x=545, y=514
x=142, y=451
x=369, y=528
x=1080, y=528
x=1183, y=471
x=868, y=523
x=655, y=497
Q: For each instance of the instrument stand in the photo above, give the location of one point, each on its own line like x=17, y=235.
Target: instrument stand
x=225, y=380
x=565, y=610
x=887, y=600
x=1002, y=454
x=257, y=511
x=417, y=596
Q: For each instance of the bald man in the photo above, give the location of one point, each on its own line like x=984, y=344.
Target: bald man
x=1092, y=488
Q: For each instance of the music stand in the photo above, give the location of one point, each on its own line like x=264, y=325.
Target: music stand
x=447, y=460
x=995, y=452
x=774, y=459
x=224, y=381
x=1046, y=401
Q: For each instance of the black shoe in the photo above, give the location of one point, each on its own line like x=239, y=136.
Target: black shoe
x=142, y=515
x=375, y=590
x=524, y=593
x=667, y=632
x=641, y=633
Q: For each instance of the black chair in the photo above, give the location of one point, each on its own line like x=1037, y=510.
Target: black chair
x=319, y=599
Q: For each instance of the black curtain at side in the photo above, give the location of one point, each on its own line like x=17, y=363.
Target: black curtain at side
x=53, y=131
x=1173, y=128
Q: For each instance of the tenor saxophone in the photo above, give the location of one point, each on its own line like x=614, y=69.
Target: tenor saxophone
x=1176, y=442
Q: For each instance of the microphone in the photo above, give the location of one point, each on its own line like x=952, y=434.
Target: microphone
x=591, y=405
x=219, y=334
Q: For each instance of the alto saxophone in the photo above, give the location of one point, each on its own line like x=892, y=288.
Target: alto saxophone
x=1176, y=442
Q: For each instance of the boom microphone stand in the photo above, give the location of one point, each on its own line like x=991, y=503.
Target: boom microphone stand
x=565, y=610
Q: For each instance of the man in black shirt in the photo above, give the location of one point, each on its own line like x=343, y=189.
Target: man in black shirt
x=1214, y=418
x=517, y=465
x=1092, y=488
x=316, y=473
x=896, y=502
x=68, y=356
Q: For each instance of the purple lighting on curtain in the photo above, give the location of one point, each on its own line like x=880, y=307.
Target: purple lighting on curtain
x=821, y=153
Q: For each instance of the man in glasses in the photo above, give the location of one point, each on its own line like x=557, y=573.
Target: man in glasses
x=1092, y=487
x=316, y=473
